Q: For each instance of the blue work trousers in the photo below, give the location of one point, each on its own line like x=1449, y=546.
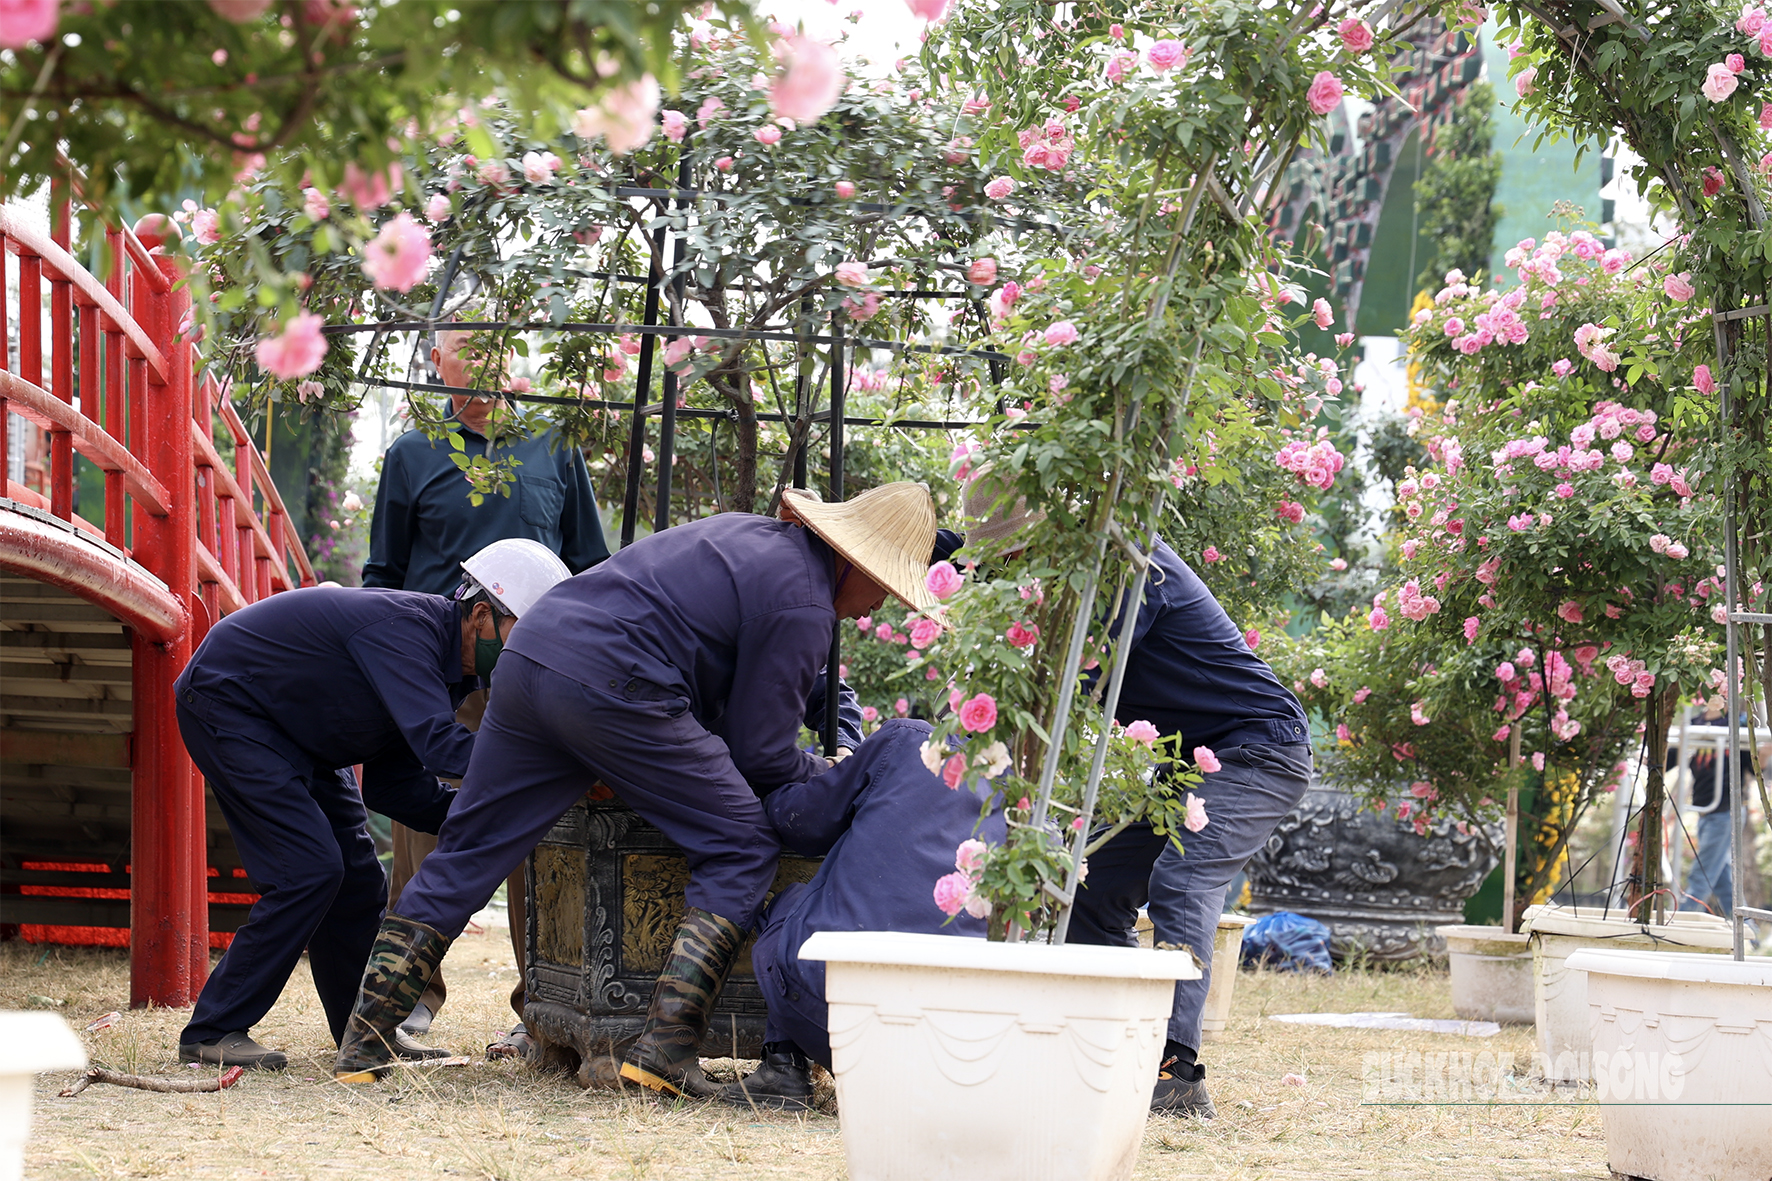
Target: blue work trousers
x=1245, y=801
x=302, y=835
x=545, y=738
x=1711, y=877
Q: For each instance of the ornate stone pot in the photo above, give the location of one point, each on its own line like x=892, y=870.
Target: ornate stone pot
x=605, y=897
x=1379, y=887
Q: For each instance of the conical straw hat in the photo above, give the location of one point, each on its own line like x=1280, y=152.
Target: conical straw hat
x=991, y=513
x=886, y=532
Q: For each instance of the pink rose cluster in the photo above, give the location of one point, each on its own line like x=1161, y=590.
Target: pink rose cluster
x=1315, y=464
x=958, y=891
x=1046, y=145
x=1590, y=342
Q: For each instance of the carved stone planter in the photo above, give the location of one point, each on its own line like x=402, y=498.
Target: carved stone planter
x=605, y=898
x=1379, y=887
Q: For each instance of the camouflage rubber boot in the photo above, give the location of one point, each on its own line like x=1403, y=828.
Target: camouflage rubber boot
x=667, y=1057
x=405, y=956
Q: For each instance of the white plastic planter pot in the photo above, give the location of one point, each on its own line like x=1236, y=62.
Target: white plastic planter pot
x=35, y=1042
x=1491, y=974
x=1682, y=1052
x=1227, y=955
x=1559, y=992
x=964, y=1060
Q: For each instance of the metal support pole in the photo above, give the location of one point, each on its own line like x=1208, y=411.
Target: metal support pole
x=667, y=421
x=1732, y=648
x=833, y=665
x=1510, y=858
x=630, y=500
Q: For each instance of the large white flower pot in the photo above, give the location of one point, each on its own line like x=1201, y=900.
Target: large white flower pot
x=1491, y=974
x=1227, y=955
x=34, y=1042
x=1559, y=992
x=1682, y=1062
x=972, y=1061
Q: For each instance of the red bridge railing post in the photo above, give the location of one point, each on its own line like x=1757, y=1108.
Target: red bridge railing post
x=169, y=910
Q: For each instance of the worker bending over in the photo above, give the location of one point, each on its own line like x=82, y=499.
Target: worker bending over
x=677, y=672
x=280, y=701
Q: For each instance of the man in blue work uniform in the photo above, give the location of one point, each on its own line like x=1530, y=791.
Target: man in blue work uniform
x=677, y=672
x=277, y=705
x=887, y=829
x=1192, y=673
x=425, y=525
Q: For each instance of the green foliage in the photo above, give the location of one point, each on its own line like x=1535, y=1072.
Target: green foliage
x=1455, y=196
x=154, y=100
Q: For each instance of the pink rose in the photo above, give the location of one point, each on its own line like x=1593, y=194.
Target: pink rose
x=206, y=227
x=1325, y=315
x=924, y=632
x=979, y=713
x=1356, y=35
x=371, y=190
x=767, y=135
x=674, y=124
x=869, y=714
x=929, y=10
x=1702, y=380
x=951, y=892
x=845, y=190
x=1526, y=81
x=1252, y=638
x=811, y=84
x=852, y=273
x=1210, y=554
x=901, y=707
x=1342, y=733
x=954, y=771
x=999, y=188
x=623, y=117
x=1022, y=635
x=1062, y=333
x=1361, y=694
x=1196, y=807
x=1377, y=619
x=1166, y=54
x=1679, y=287
x=25, y=21
x=1677, y=551
x=295, y=352
x=1325, y=92
x=314, y=204
x=969, y=857
x=1206, y=761
x=1569, y=611
x=1719, y=82
x=1120, y=65
x=1290, y=510
x=1735, y=62
x=437, y=209
x=942, y=580
x=982, y=272
x=1142, y=731
x=1471, y=625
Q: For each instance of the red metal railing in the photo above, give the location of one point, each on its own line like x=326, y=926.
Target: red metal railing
x=187, y=539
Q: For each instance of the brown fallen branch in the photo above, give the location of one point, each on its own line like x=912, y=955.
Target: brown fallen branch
x=99, y=1074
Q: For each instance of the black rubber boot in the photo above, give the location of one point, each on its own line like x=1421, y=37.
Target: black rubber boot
x=1181, y=1084
x=401, y=964
x=667, y=1056
x=782, y=1083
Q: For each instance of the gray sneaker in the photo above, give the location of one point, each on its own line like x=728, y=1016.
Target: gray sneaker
x=233, y=1049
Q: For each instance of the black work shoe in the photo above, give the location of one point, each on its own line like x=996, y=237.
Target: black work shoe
x=410, y=1051
x=782, y=1083
x=419, y=1023
x=1178, y=1094
x=667, y=1055
x=234, y=1049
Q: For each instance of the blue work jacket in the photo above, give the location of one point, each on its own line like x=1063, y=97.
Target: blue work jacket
x=887, y=830
x=733, y=611
x=424, y=524
x=1192, y=672
x=345, y=676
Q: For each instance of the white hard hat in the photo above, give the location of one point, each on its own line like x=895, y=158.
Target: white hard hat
x=514, y=572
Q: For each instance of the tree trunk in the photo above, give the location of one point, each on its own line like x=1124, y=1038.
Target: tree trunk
x=1646, y=870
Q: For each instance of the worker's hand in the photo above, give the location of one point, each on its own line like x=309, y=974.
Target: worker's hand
x=843, y=752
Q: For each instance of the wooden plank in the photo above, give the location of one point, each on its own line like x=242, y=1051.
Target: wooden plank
x=17, y=609
x=64, y=643
x=53, y=707
x=67, y=672
x=64, y=750
x=18, y=780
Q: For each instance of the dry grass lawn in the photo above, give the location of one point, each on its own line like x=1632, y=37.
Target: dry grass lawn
x=509, y=1123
